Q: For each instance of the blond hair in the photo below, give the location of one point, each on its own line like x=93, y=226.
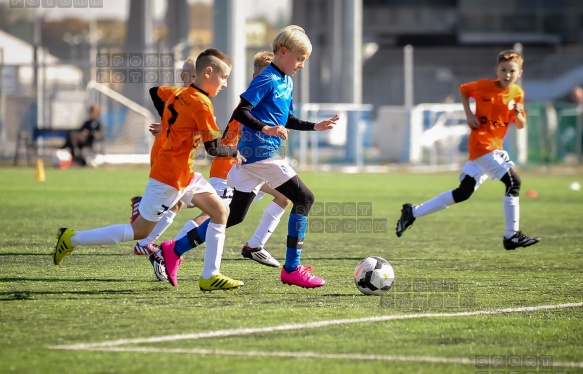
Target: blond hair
x=261, y=60
x=188, y=71
x=510, y=55
x=294, y=38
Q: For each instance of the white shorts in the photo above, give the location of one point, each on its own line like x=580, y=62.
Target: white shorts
x=250, y=177
x=225, y=191
x=491, y=165
x=222, y=189
x=159, y=197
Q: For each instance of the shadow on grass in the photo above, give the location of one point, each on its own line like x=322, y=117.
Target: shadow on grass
x=50, y=254
x=307, y=259
x=30, y=295
x=11, y=280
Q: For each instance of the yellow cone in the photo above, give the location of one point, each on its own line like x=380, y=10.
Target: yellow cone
x=39, y=175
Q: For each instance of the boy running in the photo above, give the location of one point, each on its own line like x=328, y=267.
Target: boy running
x=189, y=117
x=498, y=103
x=266, y=111
x=254, y=249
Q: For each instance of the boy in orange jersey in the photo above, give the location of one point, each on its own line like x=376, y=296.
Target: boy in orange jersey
x=189, y=117
x=498, y=103
x=146, y=246
x=254, y=249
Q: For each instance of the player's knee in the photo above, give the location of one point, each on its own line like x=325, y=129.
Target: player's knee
x=305, y=201
x=460, y=195
x=512, y=182
x=465, y=189
x=235, y=217
x=223, y=213
x=282, y=201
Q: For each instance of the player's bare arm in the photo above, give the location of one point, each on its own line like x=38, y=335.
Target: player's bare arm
x=519, y=117
x=473, y=121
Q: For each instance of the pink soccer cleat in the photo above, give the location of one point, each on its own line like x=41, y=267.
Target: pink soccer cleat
x=302, y=277
x=171, y=260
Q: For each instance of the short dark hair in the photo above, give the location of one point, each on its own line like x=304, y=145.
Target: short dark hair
x=207, y=58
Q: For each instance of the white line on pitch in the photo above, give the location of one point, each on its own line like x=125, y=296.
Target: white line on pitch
x=361, y=357
x=308, y=325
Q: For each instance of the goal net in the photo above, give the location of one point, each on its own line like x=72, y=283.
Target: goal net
x=127, y=139
x=438, y=137
x=349, y=144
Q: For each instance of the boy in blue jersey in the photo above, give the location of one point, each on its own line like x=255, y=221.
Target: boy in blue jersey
x=266, y=111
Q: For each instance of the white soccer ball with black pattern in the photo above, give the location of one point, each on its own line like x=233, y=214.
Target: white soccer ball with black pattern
x=374, y=276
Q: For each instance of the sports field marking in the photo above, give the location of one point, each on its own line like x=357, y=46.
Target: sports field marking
x=114, y=345
x=361, y=357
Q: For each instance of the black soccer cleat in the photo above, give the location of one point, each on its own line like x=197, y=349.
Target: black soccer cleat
x=157, y=262
x=406, y=219
x=519, y=240
x=260, y=255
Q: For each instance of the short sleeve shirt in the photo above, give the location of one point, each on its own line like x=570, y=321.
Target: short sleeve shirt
x=495, y=110
x=189, y=119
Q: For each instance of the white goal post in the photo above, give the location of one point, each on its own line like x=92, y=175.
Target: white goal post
x=438, y=130
x=345, y=144
x=126, y=123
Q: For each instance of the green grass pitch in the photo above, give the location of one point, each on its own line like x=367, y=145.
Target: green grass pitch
x=446, y=264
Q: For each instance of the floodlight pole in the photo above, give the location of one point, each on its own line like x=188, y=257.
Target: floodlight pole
x=579, y=134
x=521, y=136
x=229, y=37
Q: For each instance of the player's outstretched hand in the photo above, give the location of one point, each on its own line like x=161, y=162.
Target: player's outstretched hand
x=276, y=131
x=240, y=159
x=327, y=124
x=155, y=129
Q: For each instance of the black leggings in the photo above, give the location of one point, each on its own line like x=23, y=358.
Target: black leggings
x=466, y=188
x=512, y=182
x=294, y=189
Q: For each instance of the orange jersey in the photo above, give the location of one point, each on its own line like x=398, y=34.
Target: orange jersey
x=164, y=93
x=495, y=110
x=221, y=165
x=188, y=118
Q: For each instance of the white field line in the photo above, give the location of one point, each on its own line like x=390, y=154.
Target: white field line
x=114, y=345
x=336, y=356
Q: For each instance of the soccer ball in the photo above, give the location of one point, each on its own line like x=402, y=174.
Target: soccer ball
x=374, y=276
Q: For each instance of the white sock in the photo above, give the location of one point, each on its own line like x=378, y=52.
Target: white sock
x=436, y=204
x=267, y=226
x=190, y=225
x=215, y=241
x=511, y=215
x=104, y=235
x=160, y=227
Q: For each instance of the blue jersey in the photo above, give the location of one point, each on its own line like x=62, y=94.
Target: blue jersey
x=270, y=93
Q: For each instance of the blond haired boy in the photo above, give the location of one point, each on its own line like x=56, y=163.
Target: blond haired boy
x=266, y=112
